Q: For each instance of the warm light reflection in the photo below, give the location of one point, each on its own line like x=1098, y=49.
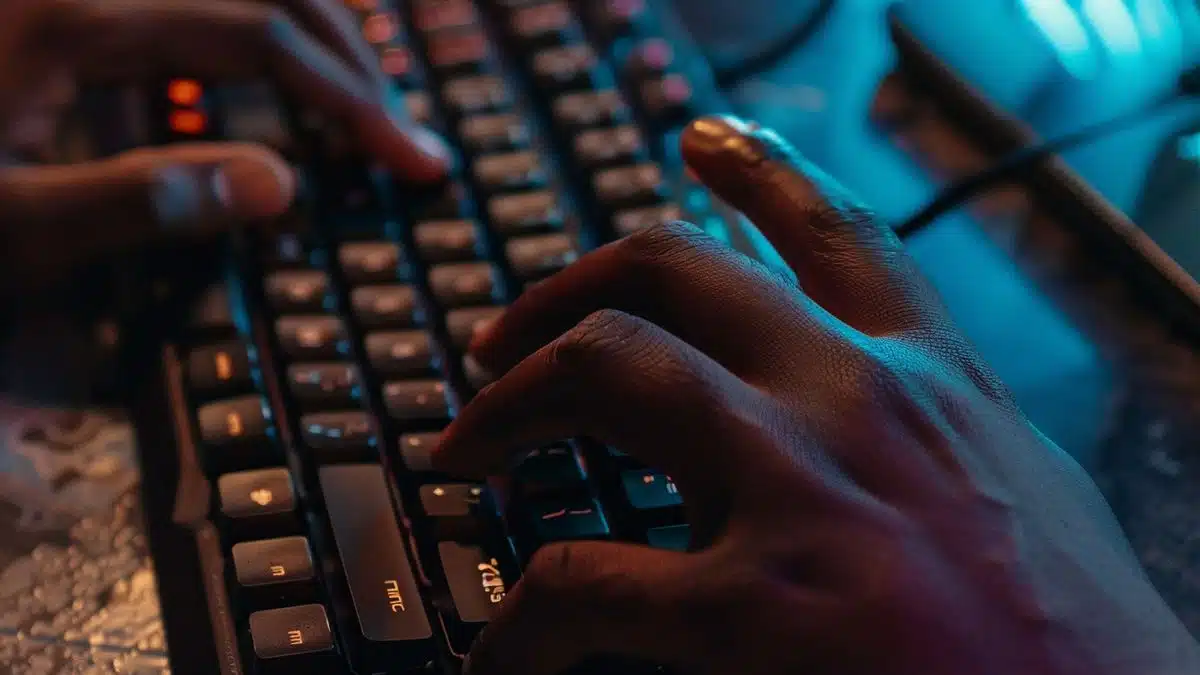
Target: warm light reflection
x=186, y=93
x=188, y=122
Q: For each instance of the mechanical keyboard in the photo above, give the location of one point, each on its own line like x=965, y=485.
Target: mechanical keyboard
x=296, y=526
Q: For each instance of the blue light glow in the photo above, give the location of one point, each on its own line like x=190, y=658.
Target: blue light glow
x=1114, y=24
x=1189, y=148
x=1066, y=33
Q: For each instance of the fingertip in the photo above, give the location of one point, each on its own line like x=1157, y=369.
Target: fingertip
x=255, y=185
x=424, y=156
x=710, y=143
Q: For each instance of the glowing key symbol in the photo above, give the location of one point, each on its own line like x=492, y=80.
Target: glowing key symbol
x=278, y=570
x=295, y=637
x=224, y=366
x=262, y=497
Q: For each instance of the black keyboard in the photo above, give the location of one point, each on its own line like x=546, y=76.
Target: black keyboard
x=297, y=528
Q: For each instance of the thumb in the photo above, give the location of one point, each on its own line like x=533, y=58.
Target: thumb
x=55, y=217
x=581, y=600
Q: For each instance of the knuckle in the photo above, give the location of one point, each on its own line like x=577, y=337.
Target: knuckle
x=552, y=576
x=665, y=246
x=595, y=341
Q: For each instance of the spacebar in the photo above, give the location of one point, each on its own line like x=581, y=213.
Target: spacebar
x=394, y=632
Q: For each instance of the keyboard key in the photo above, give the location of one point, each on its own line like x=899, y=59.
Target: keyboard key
x=417, y=400
x=291, y=291
x=464, y=324
x=386, y=306
x=419, y=105
x=476, y=94
x=477, y=586
x=415, y=450
x=324, y=385
x=530, y=212
x=395, y=632
x=431, y=17
x=554, y=469
x=539, y=256
x=454, y=510
x=275, y=571
x=462, y=52
x=627, y=186
x=463, y=284
x=447, y=240
x=258, y=504
x=544, y=24
x=599, y=148
x=236, y=421
x=572, y=519
x=370, y=262
x=401, y=353
x=397, y=63
x=626, y=223
x=580, y=110
x=561, y=68
x=219, y=369
x=510, y=171
x=285, y=639
x=667, y=100
x=339, y=436
x=671, y=538
x=310, y=338
x=493, y=133
x=649, y=490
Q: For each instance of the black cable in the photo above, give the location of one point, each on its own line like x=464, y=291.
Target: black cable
x=967, y=188
x=730, y=76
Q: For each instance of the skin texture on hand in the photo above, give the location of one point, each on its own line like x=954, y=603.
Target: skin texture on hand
x=865, y=497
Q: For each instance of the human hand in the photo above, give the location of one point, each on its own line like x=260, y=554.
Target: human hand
x=54, y=218
x=865, y=498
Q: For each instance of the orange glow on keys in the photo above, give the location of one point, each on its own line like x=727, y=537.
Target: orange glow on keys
x=188, y=122
x=186, y=93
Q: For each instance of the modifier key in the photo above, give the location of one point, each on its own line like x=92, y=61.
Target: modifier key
x=393, y=632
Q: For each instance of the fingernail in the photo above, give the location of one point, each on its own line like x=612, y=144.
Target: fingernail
x=254, y=187
x=477, y=375
x=722, y=138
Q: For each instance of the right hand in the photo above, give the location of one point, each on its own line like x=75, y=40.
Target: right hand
x=54, y=218
x=865, y=497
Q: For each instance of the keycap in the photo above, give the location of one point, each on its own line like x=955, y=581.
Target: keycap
x=454, y=510
x=511, y=171
x=393, y=306
x=211, y=312
x=464, y=324
x=529, y=212
x=237, y=421
x=293, y=291
x=339, y=436
x=312, y=337
x=430, y=17
x=627, y=222
x=419, y=105
x=275, y=571
x=476, y=94
x=564, y=520
x=649, y=490
x=671, y=538
x=370, y=262
x=580, y=110
x=549, y=470
x=461, y=52
x=447, y=240
x=415, y=450
x=599, y=148
x=417, y=400
x=477, y=585
x=258, y=504
x=543, y=24
x=219, y=369
x=540, y=255
x=493, y=133
x=401, y=353
x=286, y=639
x=627, y=186
x=324, y=385
x=397, y=63
x=667, y=100
x=394, y=629
x=463, y=284
x=562, y=68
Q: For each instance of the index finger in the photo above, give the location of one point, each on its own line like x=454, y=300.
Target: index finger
x=226, y=39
